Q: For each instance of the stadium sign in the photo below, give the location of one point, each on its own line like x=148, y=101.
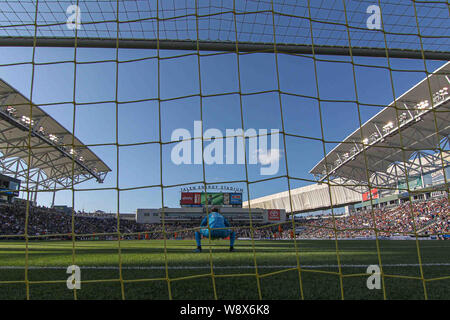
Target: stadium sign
x=273, y=215
x=235, y=198
x=212, y=187
x=366, y=195
x=198, y=199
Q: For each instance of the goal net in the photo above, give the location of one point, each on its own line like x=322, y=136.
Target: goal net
x=328, y=120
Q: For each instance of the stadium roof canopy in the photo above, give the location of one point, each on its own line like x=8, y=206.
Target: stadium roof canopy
x=34, y=147
x=409, y=135
x=308, y=198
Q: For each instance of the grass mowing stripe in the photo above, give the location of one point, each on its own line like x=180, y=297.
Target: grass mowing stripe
x=222, y=267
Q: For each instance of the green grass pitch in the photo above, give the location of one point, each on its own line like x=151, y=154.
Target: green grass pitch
x=145, y=274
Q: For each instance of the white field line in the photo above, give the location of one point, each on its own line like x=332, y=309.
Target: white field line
x=221, y=267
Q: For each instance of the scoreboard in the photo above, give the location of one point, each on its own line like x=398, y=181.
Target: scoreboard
x=200, y=199
x=9, y=188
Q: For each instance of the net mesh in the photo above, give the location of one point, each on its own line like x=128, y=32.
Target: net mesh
x=420, y=26
x=404, y=25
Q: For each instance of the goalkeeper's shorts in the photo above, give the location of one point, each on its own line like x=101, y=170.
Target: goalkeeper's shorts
x=223, y=233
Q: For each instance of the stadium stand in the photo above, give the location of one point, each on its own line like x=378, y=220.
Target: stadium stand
x=45, y=221
x=431, y=217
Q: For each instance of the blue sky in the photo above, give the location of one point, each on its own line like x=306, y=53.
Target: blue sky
x=139, y=166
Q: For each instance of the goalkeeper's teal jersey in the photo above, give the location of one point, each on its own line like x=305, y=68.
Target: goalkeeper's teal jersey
x=216, y=220
x=218, y=228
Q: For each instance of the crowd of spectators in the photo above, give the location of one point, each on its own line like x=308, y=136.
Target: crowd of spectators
x=49, y=223
x=429, y=217
x=42, y=221
x=426, y=218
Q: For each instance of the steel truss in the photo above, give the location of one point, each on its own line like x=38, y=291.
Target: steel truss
x=39, y=162
x=414, y=136
x=419, y=164
x=36, y=179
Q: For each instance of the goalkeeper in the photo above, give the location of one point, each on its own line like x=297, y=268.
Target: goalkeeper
x=216, y=223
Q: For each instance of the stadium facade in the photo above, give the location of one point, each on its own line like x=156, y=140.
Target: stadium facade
x=195, y=215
